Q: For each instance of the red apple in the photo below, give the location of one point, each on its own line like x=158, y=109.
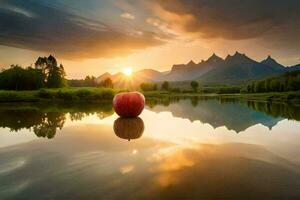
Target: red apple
x=129, y=104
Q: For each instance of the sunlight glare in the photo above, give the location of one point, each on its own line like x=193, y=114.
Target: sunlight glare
x=127, y=71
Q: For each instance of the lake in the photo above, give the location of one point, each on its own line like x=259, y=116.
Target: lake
x=177, y=149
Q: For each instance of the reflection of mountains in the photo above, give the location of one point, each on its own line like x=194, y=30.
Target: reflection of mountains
x=46, y=120
x=235, y=116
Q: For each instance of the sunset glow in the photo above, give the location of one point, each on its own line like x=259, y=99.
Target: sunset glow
x=127, y=71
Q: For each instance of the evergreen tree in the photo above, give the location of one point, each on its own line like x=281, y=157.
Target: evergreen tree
x=195, y=85
x=165, y=85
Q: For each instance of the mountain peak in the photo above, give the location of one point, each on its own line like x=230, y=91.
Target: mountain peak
x=237, y=56
x=191, y=63
x=214, y=58
x=269, y=61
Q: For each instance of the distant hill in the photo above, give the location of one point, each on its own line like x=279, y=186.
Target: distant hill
x=138, y=77
x=234, y=69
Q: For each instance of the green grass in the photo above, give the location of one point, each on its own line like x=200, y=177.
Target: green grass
x=293, y=97
x=92, y=94
x=62, y=94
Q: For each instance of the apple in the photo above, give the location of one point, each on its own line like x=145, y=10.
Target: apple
x=129, y=104
x=129, y=128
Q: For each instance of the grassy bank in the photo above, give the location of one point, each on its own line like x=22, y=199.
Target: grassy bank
x=92, y=94
x=63, y=94
x=293, y=97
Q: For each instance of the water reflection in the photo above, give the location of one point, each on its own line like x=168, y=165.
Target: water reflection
x=234, y=114
x=171, y=159
x=227, y=171
x=45, y=120
x=102, y=165
x=129, y=128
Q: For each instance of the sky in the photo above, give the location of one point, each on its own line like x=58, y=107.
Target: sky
x=90, y=37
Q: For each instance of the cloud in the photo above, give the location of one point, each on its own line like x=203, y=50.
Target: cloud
x=127, y=16
x=55, y=29
x=274, y=22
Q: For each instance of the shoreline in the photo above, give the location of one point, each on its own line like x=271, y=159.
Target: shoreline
x=94, y=95
x=280, y=97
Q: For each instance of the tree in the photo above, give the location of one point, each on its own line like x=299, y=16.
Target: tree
x=90, y=81
x=148, y=86
x=107, y=83
x=54, y=75
x=50, y=123
x=195, y=85
x=165, y=85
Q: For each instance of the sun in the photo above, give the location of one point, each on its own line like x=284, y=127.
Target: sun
x=127, y=71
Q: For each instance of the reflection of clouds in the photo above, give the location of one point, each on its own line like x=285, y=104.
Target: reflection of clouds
x=211, y=168
x=135, y=151
x=126, y=169
x=92, y=154
x=167, y=161
x=181, y=131
x=128, y=16
x=12, y=165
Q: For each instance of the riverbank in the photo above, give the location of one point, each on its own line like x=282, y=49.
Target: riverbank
x=293, y=97
x=90, y=94
x=62, y=94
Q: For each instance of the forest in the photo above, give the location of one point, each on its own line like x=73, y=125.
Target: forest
x=289, y=81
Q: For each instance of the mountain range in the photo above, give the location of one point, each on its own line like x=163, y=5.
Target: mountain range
x=234, y=69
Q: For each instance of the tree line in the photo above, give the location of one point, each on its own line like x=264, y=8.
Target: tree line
x=91, y=81
x=289, y=81
x=166, y=86
x=45, y=73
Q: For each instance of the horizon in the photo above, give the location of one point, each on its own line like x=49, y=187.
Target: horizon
x=124, y=71
x=186, y=63
x=105, y=36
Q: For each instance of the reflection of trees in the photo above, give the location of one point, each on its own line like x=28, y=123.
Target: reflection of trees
x=17, y=120
x=165, y=101
x=288, y=111
x=276, y=110
x=235, y=114
x=194, y=101
x=103, y=114
x=45, y=123
x=77, y=116
x=102, y=110
x=51, y=121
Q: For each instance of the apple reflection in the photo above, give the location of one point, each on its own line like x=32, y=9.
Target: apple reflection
x=129, y=128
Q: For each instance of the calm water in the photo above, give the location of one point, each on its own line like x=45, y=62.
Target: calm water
x=180, y=149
